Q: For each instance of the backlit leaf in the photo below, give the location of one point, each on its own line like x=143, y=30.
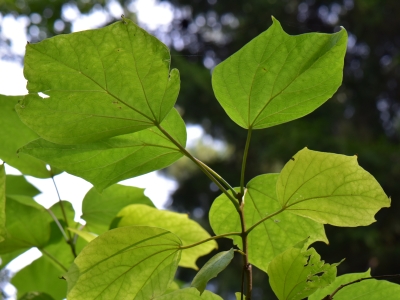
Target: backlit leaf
x=274, y=235
x=189, y=294
x=187, y=230
x=87, y=236
x=101, y=83
x=135, y=262
x=99, y=209
x=277, y=78
x=36, y=296
x=296, y=274
x=108, y=161
x=15, y=134
x=211, y=269
x=18, y=185
x=330, y=188
x=2, y=203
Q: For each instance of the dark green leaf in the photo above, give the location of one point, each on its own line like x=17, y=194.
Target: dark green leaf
x=99, y=209
x=187, y=230
x=330, y=188
x=211, y=269
x=277, y=78
x=18, y=185
x=135, y=262
x=106, y=162
x=101, y=83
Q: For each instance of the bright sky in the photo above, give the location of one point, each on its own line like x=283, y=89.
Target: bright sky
x=151, y=14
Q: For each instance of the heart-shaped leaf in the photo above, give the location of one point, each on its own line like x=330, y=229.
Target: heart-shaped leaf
x=330, y=188
x=108, y=161
x=101, y=83
x=135, y=262
x=277, y=78
x=187, y=230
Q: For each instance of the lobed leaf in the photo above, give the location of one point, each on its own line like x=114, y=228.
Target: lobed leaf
x=2, y=203
x=187, y=230
x=108, y=161
x=101, y=83
x=277, y=78
x=15, y=134
x=211, y=269
x=135, y=262
x=296, y=274
x=330, y=188
x=100, y=209
x=189, y=294
x=274, y=235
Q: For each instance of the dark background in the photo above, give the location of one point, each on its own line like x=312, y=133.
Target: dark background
x=362, y=118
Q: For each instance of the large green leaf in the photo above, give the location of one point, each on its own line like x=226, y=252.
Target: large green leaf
x=18, y=185
x=296, y=274
x=36, y=296
x=211, y=269
x=330, y=188
x=370, y=289
x=99, y=209
x=274, y=235
x=8, y=257
x=187, y=230
x=41, y=276
x=135, y=262
x=101, y=83
x=15, y=134
x=189, y=294
x=2, y=203
x=277, y=78
x=26, y=226
x=111, y=160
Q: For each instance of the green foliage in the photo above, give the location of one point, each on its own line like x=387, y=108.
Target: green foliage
x=109, y=116
x=36, y=296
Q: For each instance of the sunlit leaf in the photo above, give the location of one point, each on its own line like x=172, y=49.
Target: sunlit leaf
x=41, y=276
x=8, y=257
x=101, y=83
x=111, y=160
x=277, y=78
x=26, y=227
x=36, y=296
x=189, y=294
x=187, y=230
x=274, y=235
x=18, y=185
x=238, y=296
x=135, y=262
x=2, y=203
x=99, y=209
x=296, y=274
x=15, y=134
x=87, y=236
x=330, y=188
x=68, y=210
x=211, y=269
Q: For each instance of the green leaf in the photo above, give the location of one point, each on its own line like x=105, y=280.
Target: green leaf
x=187, y=230
x=189, y=294
x=277, y=78
x=2, y=203
x=87, y=236
x=41, y=276
x=211, y=269
x=36, y=296
x=100, y=209
x=370, y=289
x=8, y=257
x=111, y=160
x=68, y=209
x=101, y=83
x=14, y=134
x=238, y=296
x=296, y=274
x=26, y=227
x=135, y=262
x=330, y=188
x=274, y=235
x=18, y=185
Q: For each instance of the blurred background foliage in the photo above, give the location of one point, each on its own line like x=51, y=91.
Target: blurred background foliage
x=362, y=118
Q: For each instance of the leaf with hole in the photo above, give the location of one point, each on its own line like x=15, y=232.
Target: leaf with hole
x=277, y=78
x=211, y=269
x=100, y=83
x=330, y=188
x=187, y=230
x=109, y=161
x=134, y=262
x=296, y=274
